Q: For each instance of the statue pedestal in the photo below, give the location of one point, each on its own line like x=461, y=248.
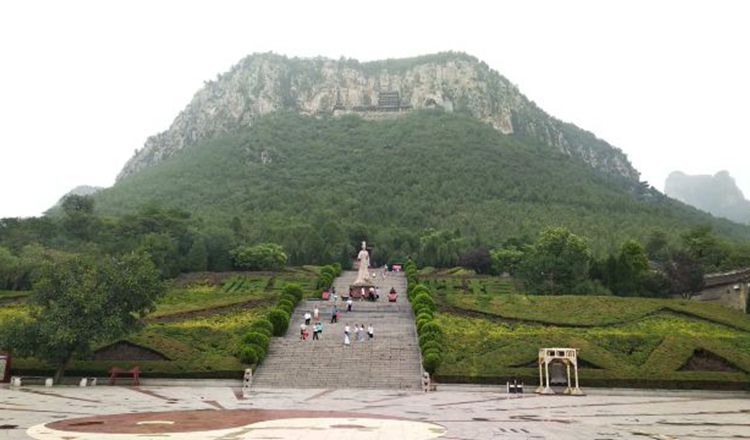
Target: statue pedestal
x=355, y=290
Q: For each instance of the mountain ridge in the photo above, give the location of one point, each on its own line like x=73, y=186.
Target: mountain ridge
x=717, y=194
x=455, y=82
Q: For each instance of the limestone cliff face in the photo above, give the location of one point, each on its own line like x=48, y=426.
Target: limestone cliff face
x=717, y=194
x=264, y=83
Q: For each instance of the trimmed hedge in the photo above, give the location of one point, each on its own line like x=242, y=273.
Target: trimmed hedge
x=248, y=355
x=256, y=338
x=262, y=325
x=279, y=318
x=431, y=362
x=294, y=290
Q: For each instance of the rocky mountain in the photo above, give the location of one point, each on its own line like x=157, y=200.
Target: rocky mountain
x=264, y=83
x=717, y=194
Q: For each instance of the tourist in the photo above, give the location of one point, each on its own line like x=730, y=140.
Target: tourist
x=356, y=332
x=334, y=314
x=349, y=303
x=303, y=332
x=308, y=317
x=316, y=313
x=317, y=329
x=346, y=329
x=370, y=331
x=347, y=341
x=361, y=334
x=377, y=293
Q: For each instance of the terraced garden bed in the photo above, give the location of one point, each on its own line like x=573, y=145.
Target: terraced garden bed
x=492, y=336
x=198, y=326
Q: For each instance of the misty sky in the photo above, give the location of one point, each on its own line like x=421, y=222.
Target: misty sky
x=83, y=84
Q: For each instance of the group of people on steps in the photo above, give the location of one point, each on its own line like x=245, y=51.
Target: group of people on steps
x=317, y=328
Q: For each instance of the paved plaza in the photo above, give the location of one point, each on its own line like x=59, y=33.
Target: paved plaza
x=453, y=412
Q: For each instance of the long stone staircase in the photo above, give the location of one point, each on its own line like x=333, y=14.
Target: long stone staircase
x=389, y=361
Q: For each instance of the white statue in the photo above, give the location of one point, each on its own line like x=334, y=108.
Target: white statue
x=363, y=276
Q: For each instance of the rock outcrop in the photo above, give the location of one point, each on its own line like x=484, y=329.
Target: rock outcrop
x=265, y=83
x=717, y=194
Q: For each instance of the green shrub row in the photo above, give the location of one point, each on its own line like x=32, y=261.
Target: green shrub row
x=431, y=336
x=255, y=343
x=327, y=275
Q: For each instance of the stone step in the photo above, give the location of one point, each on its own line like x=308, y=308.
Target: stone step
x=391, y=360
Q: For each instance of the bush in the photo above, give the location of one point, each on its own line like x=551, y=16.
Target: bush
x=256, y=338
x=432, y=345
x=430, y=337
x=294, y=290
x=420, y=323
x=336, y=269
x=280, y=320
x=288, y=297
x=431, y=362
x=432, y=327
x=265, y=256
x=432, y=351
x=286, y=305
x=421, y=309
x=425, y=315
x=260, y=351
x=262, y=325
x=423, y=300
x=248, y=355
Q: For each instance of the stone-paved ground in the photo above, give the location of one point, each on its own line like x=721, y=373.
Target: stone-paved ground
x=389, y=361
x=466, y=412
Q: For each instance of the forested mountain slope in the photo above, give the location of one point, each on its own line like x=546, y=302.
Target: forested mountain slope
x=314, y=183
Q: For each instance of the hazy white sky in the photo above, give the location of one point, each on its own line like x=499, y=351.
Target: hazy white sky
x=82, y=84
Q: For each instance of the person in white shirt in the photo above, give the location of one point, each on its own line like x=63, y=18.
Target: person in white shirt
x=370, y=331
x=349, y=303
x=307, y=318
x=316, y=313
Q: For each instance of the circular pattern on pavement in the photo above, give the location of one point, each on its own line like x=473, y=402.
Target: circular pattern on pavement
x=237, y=424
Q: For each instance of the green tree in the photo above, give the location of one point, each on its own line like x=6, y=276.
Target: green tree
x=9, y=270
x=685, y=274
x=506, y=260
x=702, y=245
x=79, y=219
x=557, y=263
x=632, y=269
x=265, y=256
x=80, y=301
x=657, y=246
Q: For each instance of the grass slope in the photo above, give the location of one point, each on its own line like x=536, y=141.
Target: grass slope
x=492, y=336
x=427, y=169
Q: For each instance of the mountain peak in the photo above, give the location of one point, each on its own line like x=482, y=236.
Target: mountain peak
x=717, y=194
x=263, y=83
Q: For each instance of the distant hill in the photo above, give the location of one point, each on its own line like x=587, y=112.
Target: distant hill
x=717, y=194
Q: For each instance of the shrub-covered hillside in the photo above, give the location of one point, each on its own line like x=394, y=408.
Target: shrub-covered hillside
x=312, y=184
